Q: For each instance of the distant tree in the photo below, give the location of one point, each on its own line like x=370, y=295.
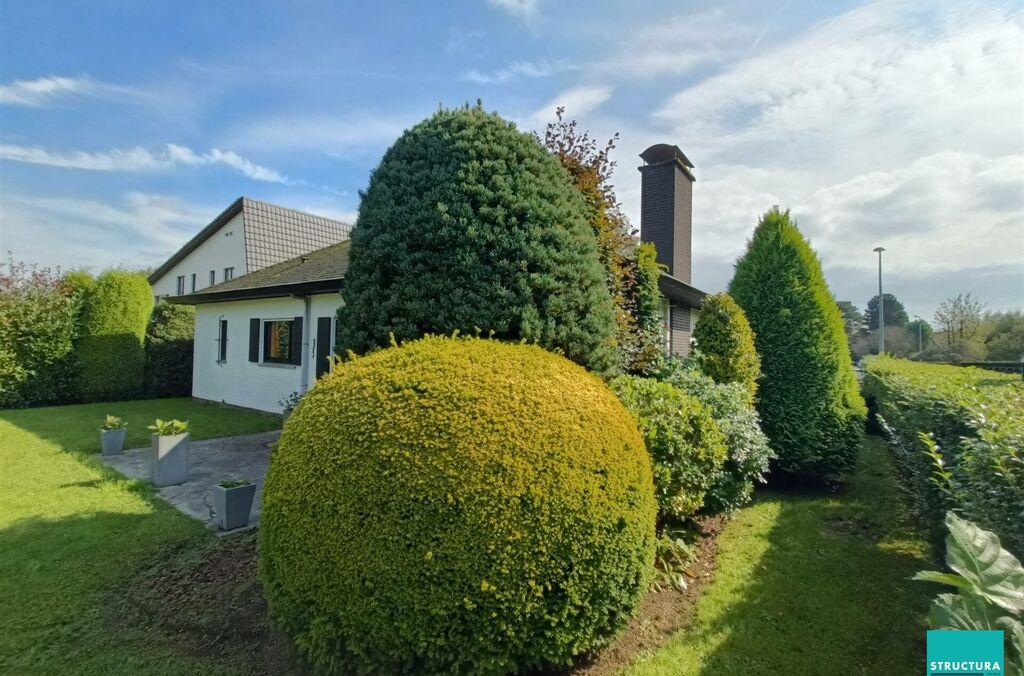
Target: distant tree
x=853, y=318
x=895, y=313
x=810, y=405
x=960, y=318
x=920, y=333
x=1005, y=340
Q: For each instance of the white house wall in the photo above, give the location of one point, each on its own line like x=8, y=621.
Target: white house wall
x=238, y=381
x=223, y=249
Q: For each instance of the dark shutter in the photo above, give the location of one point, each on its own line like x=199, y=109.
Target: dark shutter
x=254, y=340
x=297, y=342
x=323, y=345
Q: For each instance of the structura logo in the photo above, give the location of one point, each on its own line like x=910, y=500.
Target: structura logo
x=965, y=653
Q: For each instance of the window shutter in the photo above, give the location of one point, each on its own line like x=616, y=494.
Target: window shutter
x=254, y=340
x=297, y=342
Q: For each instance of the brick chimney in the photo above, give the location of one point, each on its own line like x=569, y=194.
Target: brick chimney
x=666, y=207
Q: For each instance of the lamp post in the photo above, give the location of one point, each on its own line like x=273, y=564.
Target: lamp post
x=920, y=322
x=881, y=304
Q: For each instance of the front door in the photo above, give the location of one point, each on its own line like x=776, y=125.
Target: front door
x=324, y=333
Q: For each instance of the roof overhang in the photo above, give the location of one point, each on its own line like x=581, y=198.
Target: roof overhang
x=322, y=286
x=679, y=292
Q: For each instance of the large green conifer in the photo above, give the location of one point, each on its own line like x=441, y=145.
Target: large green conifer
x=809, y=403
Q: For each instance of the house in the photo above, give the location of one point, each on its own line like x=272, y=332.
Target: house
x=247, y=236
x=263, y=335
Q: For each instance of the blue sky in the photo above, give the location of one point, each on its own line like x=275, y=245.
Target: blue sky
x=125, y=127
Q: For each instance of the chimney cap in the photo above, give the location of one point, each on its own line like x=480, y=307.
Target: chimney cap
x=664, y=152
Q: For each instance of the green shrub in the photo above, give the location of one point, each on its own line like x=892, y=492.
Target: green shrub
x=169, y=340
x=469, y=224
x=808, y=399
x=749, y=452
x=725, y=343
x=684, y=442
x=39, y=316
x=456, y=505
x=110, y=349
x=976, y=421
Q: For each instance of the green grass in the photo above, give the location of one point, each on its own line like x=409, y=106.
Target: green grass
x=72, y=531
x=812, y=585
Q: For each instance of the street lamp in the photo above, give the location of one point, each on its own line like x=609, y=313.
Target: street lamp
x=920, y=325
x=881, y=304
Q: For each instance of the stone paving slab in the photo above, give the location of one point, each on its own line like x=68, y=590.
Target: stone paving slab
x=211, y=461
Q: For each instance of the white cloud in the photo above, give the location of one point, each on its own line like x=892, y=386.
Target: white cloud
x=139, y=159
x=521, y=8
x=137, y=230
x=331, y=134
x=518, y=70
x=51, y=89
x=577, y=101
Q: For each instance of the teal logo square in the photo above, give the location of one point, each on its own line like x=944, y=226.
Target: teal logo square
x=965, y=653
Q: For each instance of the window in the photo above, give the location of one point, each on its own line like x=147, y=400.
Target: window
x=213, y=277
x=278, y=341
x=181, y=284
x=222, y=342
x=193, y=282
x=229, y=273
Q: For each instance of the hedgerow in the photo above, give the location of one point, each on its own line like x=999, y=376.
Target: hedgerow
x=749, y=452
x=39, y=316
x=110, y=349
x=469, y=224
x=810, y=406
x=725, y=344
x=976, y=422
x=457, y=506
x=684, y=442
x=169, y=342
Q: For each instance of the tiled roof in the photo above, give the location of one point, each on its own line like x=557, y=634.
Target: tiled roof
x=327, y=264
x=274, y=234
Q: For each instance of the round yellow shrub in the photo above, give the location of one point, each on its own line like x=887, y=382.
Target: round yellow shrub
x=456, y=505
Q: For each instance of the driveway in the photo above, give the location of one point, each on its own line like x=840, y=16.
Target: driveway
x=211, y=461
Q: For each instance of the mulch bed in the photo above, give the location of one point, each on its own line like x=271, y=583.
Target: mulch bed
x=210, y=604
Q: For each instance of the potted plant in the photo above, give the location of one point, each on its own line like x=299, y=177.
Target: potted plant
x=169, y=464
x=289, y=403
x=112, y=433
x=232, y=501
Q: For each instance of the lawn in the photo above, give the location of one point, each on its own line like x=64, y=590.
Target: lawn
x=97, y=576
x=72, y=532
x=811, y=584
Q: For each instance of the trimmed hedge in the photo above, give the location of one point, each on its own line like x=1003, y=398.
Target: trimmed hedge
x=725, y=343
x=810, y=406
x=169, y=341
x=976, y=418
x=749, y=453
x=471, y=225
x=684, y=442
x=456, y=505
x=110, y=349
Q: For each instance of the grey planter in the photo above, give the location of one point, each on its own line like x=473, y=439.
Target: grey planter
x=169, y=461
x=112, y=441
x=233, y=505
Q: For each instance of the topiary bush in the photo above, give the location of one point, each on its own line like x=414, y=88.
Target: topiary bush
x=169, y=340
x=808, y=399
x=749, y=453
x=456, y=505
x=725, y=343
x=469, y=224
x=684, y=442
x=110, y=349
